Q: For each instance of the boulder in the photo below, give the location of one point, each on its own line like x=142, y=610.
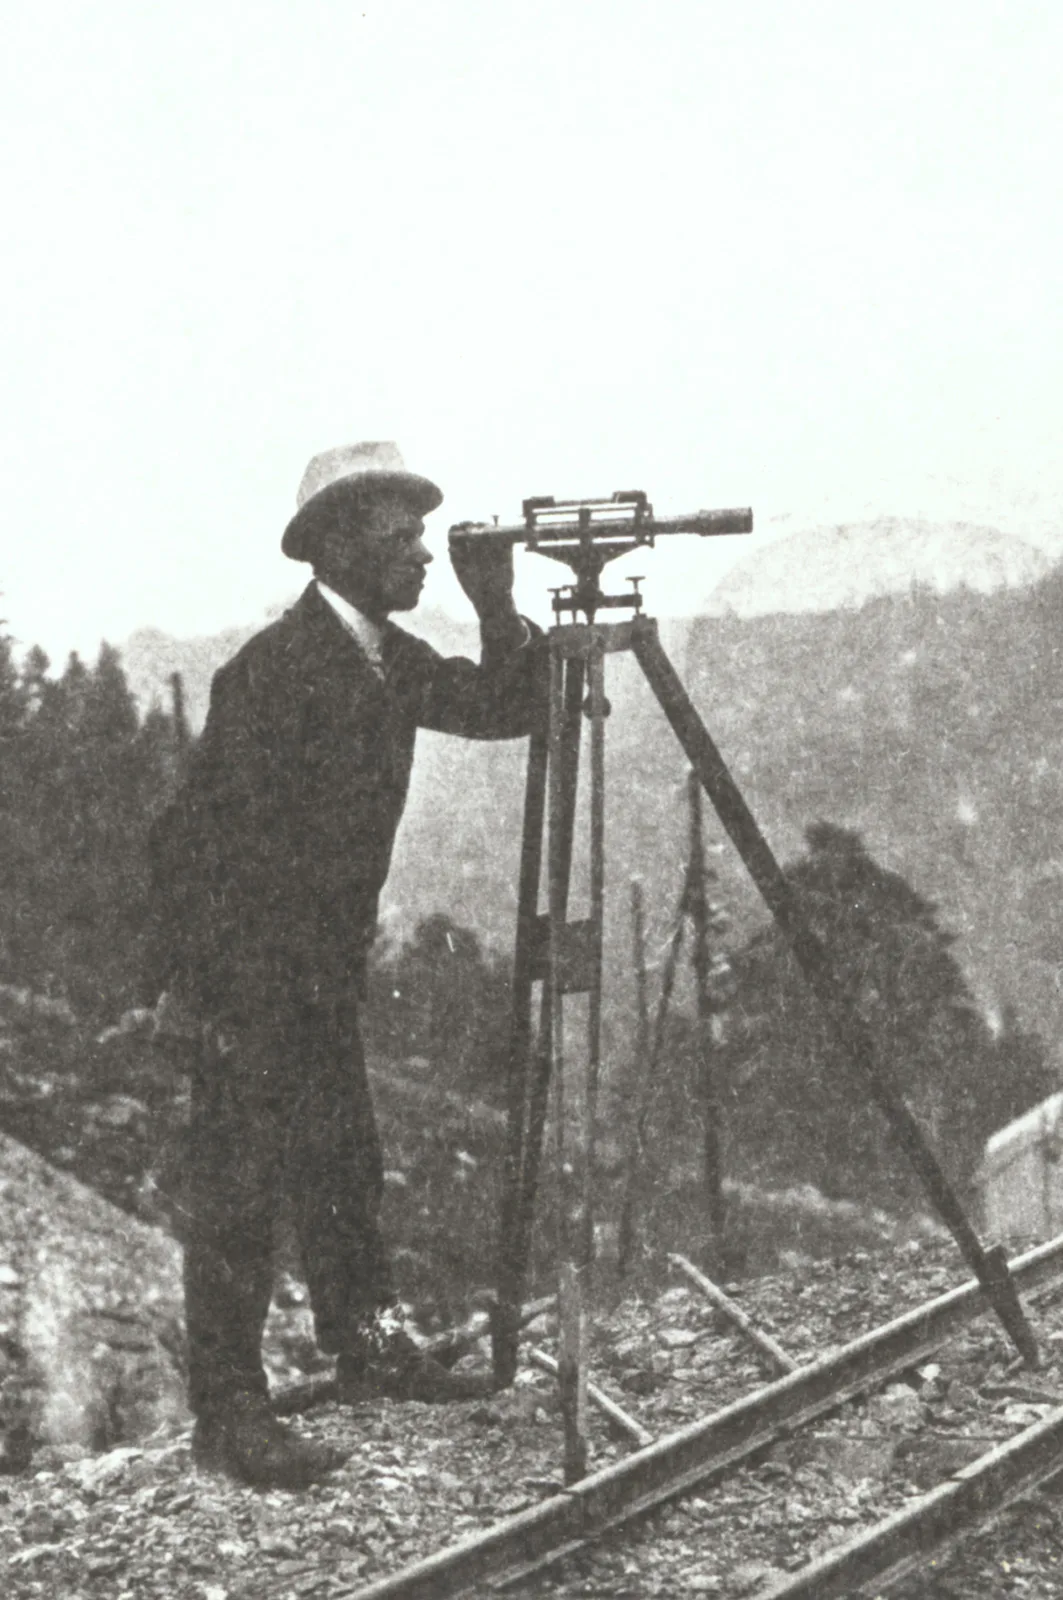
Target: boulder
x=91, y=1339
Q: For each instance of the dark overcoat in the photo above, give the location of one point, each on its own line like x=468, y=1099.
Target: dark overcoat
x=268, y=866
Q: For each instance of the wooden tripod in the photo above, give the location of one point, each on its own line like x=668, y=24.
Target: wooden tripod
x=565, y=957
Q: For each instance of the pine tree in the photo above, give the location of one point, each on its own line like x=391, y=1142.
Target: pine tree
x=802, y=1109
x=34, y=680
x=111, y=719
x=13, y=842
x=12, y=698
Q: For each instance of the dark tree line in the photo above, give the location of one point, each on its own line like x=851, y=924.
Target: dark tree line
x=81, y=776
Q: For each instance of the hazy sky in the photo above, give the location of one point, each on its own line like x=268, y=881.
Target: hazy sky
x=804, y=257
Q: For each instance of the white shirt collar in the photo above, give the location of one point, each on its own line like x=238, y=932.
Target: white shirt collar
x=368, y=634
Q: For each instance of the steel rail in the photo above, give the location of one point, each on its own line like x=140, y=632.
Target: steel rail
x=677, y=1463
x=905, y=1541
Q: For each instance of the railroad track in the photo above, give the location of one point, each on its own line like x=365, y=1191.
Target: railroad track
x=717, y=1445
x=899, y=1545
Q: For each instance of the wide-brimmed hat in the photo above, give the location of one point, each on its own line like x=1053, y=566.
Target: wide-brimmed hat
x=360, y=471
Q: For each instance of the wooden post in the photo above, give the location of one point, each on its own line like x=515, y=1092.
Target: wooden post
x=609, y=1408
x=708, y=1076
x=634, y=1165
x=640, y=1073
x=761, y=1341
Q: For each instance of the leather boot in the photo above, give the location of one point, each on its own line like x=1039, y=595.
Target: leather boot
x=243, y=1438
x=384, y=1362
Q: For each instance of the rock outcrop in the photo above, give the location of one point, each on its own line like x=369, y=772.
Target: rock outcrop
x=91, y=1341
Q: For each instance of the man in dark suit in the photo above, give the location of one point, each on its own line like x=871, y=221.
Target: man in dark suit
x=267, y=869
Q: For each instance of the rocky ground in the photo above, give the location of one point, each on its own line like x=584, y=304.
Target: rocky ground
x=139, y=1521
x=99, y=1497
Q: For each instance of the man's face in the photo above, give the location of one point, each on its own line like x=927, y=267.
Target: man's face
x=376, y=559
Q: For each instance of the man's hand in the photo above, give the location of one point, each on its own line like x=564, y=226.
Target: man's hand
x=484, y=568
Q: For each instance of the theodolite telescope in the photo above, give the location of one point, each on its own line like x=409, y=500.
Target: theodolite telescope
x=585, y=534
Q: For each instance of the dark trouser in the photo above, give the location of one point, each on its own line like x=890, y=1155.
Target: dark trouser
x=286, y=1110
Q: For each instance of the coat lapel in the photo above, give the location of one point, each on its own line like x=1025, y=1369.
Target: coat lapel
x=328, y=650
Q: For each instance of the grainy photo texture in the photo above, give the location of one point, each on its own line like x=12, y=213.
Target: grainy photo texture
x=530, y=826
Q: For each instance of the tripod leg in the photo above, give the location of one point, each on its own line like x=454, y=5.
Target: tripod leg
x=555, y=742
x=575, y=1103
x=568, y=1113
x=565, y=758
x=597, y=710
x=512, y=1254
x=989, y=1267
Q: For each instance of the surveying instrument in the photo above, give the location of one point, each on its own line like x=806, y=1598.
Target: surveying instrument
x=564, y=956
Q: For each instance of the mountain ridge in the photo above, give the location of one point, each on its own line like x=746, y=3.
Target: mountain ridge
x=846, y=564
